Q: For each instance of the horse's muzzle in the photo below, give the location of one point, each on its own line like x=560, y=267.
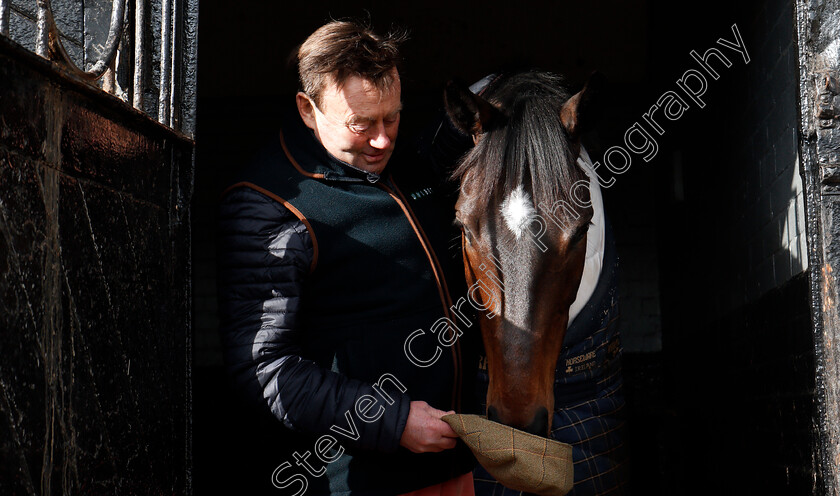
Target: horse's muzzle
x=538, y=426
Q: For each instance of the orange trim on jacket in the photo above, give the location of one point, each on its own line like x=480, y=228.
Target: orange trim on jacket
x=292, y=209
x=294, y=162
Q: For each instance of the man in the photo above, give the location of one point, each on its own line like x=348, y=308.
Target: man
x=326, y=270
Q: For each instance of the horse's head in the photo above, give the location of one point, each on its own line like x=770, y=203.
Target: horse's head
x=525, y=209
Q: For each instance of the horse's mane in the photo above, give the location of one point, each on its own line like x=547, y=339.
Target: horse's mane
x=531, y=147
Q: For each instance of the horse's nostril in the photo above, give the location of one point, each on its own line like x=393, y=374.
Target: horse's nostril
x=492, y=414
x=539, y=426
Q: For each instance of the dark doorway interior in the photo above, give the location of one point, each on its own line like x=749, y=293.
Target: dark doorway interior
x=718, y=351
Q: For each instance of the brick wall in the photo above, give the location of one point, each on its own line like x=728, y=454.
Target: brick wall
x=738, y=366
x=769, y=234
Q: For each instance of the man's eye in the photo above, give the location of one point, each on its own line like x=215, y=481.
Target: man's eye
x=358, y=128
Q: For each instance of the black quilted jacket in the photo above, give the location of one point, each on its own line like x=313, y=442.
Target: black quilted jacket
x=265, y=254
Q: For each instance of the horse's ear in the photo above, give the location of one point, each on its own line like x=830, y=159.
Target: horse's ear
x=577, y=106
x=468, y=112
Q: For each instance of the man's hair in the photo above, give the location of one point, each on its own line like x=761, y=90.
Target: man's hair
x=341, y=49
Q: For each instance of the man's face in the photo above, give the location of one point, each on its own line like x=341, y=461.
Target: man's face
x=356, y=123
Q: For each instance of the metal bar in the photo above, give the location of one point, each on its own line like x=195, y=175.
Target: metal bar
x=4, y=17
x=177, y=48
x=42, y=38
x=114, y=35
x=174, y=74
x=139, y=55
x=175, y=38
x=165, y=62
x=47, y=31
x=189, y=63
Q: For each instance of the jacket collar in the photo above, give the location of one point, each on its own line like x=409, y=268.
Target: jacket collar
x=310, y=157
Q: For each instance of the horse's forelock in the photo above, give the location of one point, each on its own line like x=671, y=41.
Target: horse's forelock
x=532, y=149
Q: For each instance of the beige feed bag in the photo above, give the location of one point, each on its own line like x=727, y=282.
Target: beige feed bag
x=517, y=459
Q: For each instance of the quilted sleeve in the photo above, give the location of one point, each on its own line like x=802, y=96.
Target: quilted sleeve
x=265, y=253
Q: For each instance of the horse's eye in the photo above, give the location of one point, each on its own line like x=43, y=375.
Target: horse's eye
x=580, y=233
x=466, y=232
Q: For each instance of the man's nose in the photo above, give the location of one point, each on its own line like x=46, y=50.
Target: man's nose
x=379, y=138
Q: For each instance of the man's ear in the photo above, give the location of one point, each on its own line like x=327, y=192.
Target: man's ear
x=306, y=110
x=574, y=111
x=469, y=112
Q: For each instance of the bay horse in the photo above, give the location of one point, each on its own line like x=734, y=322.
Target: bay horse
x=524, y=211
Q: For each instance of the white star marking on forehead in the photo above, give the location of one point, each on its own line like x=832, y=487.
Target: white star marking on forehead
x=518, y=211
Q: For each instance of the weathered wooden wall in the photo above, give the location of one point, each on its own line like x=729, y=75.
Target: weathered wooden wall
x=94, y=290
x=818, y=34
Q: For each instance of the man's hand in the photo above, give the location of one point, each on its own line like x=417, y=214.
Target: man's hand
x=425, y=431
